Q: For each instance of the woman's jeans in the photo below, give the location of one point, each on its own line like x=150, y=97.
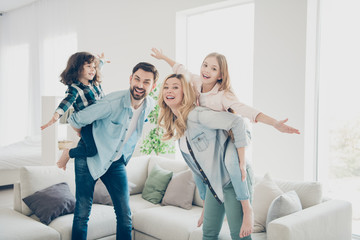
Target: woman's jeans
x=115, y=180
x=215, y=212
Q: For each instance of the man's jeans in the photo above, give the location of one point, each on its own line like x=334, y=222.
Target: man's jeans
x=115, y=180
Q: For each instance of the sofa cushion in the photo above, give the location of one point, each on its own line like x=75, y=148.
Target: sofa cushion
x=137, y=172
x=264, y=193
x=168, y=219
x=310, y=193
x=36, y=178
x=137, y=203
x=180, y=191
x=15, y=225
x=101, y=194
x=102, y=223
x=173, y=165
x=51, y=202
x=156, y=184
x=283, y=205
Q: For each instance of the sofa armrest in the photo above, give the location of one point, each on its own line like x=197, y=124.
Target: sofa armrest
x=329, y=220
x=17, y=197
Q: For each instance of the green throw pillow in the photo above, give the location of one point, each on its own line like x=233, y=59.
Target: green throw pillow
x=156, y=184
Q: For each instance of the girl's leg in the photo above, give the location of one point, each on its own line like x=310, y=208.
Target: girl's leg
x=234, y=213
x=213, y=217
x=233, y=168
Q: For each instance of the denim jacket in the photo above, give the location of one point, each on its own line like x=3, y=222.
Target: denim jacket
x=207, y=133
x=111, y=117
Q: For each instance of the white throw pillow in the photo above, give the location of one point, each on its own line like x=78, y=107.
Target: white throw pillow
x=264, y=193
x=283, y=205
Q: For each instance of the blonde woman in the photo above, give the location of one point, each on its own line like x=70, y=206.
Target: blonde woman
x=204, y=141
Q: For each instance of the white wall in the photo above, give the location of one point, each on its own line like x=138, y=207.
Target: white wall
x=126, y=31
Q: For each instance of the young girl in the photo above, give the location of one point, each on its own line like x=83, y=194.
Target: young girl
x=204, y=143
x=213, y=90
x=82, y=77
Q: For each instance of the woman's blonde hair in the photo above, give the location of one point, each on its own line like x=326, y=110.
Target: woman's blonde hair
x=224, y=72
x=175, y=126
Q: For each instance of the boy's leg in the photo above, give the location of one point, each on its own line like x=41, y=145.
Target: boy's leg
x=213, y=217
x=115, y=180
x=88, y=138
x=84, y=195
x=88, y=149
x=234, y=213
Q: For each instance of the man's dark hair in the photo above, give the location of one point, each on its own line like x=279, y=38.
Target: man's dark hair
x=147, y=67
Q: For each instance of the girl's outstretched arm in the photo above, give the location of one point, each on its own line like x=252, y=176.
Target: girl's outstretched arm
x=159, y=55
x=279, y=125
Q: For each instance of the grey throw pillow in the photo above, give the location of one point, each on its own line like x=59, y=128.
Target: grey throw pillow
x=180, y=191
x=283, y=205
x=101, y=194
x=51, y=202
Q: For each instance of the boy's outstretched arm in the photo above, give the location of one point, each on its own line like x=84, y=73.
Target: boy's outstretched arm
x=102, y=58
x=52, y=121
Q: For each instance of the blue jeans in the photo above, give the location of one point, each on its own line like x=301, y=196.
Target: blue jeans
x=87, y=147
x=115, y=180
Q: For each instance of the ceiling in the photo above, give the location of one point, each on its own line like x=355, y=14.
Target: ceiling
x=8, y=5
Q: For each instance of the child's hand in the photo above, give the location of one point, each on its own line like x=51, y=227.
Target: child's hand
x=77, y=130
x=243, y=173
x=102, y=57
x=282, y=127
x=51, y=122
x=157, y=54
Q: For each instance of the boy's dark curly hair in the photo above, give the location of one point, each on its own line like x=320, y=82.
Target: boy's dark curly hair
x=75, y=67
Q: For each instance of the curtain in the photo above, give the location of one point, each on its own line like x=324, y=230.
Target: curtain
x=35, y=43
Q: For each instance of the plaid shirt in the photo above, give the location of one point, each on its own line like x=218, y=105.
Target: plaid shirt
x=80, y=96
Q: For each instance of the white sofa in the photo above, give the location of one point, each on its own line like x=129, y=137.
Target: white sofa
x=330, y=220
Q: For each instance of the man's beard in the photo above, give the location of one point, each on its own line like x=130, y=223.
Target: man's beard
x=134, y=94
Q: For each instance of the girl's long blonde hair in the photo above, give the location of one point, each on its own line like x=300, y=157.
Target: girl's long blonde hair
x=176, y=126
x=224, y=71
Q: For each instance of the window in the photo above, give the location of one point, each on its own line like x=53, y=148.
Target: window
x=204, y=30
x=339, y=99
x=14, y=93
x=55, y=54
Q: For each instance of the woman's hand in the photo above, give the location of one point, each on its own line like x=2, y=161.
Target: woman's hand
x=201, y=219
x=51, y=122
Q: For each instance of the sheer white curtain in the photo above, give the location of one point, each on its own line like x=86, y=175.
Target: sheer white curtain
x=35, y=43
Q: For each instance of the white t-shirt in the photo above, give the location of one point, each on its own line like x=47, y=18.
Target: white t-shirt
x=132, y=127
